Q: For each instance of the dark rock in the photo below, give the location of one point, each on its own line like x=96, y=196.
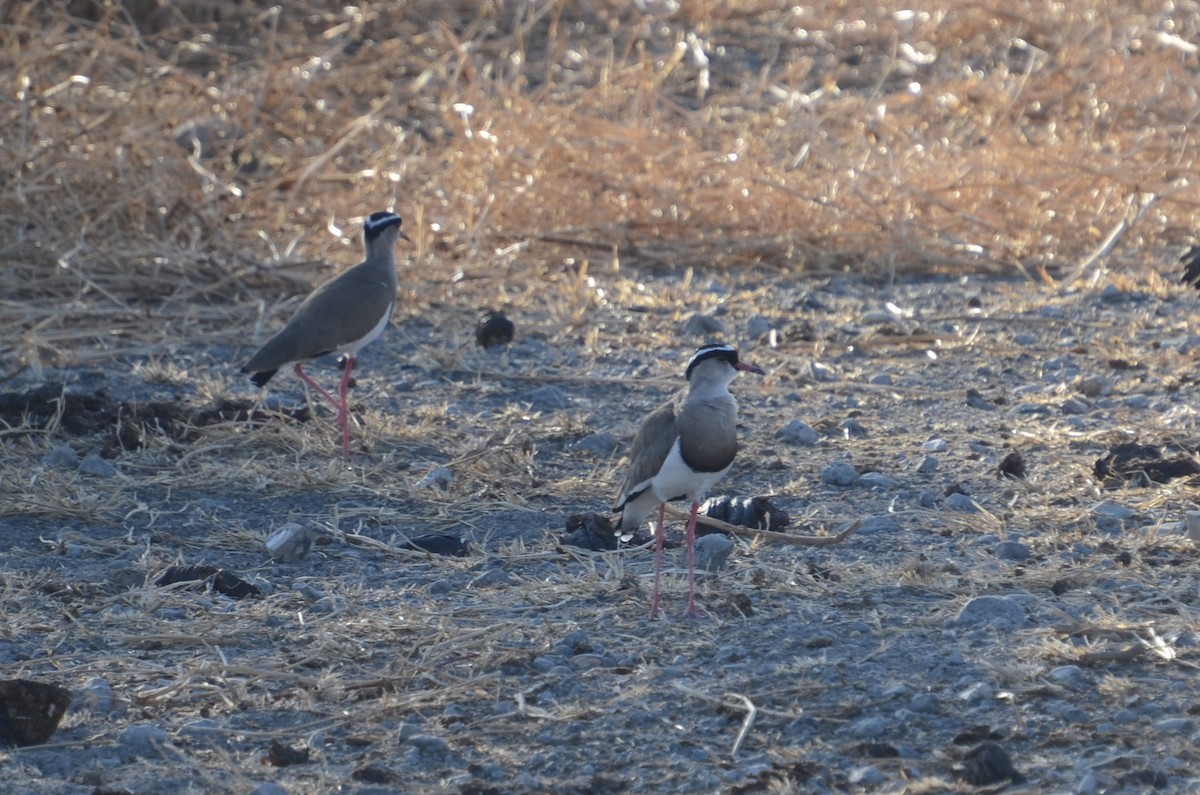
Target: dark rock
x=989, y=764
x=280, y=755
x=493, y=329
x=30, y=711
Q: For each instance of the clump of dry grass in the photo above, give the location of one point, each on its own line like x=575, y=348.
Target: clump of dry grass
x=515, y=138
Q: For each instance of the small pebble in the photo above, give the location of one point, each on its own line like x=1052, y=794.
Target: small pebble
x=1000, y=612
x=935, y=446
x=601, y=444
x=876, y=480
x=439, y=478
x=61, y=457
x=758, y=327
x=1012, y=550
x=977, y=402
x=881, y=379
x=428, y=744
x=547, y=398
x=961, y=503
x=712, y=551
x=200, y=728
x=701, y=325
x=839, y=473
x=928, y=465
x=869, y=728
x=268, y=788
x=798, y=433
x=867, y=776
x=96, y=466
x=927, y=703
x=1070, y=676
x=143, y=739
x=1173, y=725
x=878, y=524
x=491, y=578
x=1076, y=406
x=1114, y=509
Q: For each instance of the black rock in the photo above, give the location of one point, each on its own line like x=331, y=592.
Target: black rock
x=493, y=329
x=989, y=764
x=205, y=577
x=437, y=544
x=30, y=711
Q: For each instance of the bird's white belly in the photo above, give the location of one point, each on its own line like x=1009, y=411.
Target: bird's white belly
x=352, y=348
x=676, y=479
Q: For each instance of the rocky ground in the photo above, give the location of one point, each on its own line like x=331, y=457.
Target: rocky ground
x=1028, y=633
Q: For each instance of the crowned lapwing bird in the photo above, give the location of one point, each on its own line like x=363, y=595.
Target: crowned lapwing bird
x=342, y=315
x=681, y=450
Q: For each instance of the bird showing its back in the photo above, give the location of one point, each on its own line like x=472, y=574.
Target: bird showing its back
x=343, y=314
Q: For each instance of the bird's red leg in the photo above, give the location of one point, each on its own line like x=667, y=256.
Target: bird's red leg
x=344, y=408
x=658, y=553
x=304, y=377
x=692, y=610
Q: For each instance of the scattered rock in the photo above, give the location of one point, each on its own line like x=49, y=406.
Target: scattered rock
x=493, y=329
x=704, y=326
x=62, y=457
x=268, y=788
x=436, y=478
x=839, y=473
x=878, y=524
x=290, y=543
x=1140, y=464
x=989, y=764
x=144, y=740
x=30, y=711
x=961, y=503
x=1001, y=612
x=208, y=578
x=797, y=433
x=876, y=480
x=935, y=446
x=601, y=444
x=1013, y=466
x=280, y=755
x=928, y=465
x=758, y=327
x=96, y=466
x=428, y=744
x=1012, y=550
x=548, y=398
x=96, y=696
x=976, y=401
x=374, y=773
x=712, y=551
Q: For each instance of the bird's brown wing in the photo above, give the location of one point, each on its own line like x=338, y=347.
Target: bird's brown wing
x=650, y=447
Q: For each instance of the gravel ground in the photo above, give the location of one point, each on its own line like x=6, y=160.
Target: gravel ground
x=1035, y=634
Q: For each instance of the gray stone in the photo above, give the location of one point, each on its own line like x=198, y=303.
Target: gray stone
x=869, y=728
x=1025, y=340
x=268, y=788
x=601, y=444
x=1173, y=725
x=96, y=466
x=839, y=473
x=96, y=697
x=1076, y=406
x=977, y=693
x=758, y=327
x=823, y=373
x=428, y=744
x=547, y=398
x=290, y=543
x=61, y=457
x=436, y=478
x=1113, y=509
x=935, y=446
x=1012, y=550
x=876, y=480
x=1095, y=386
x=867, y=776
x=1001, y=612
x=798, y=433
x=926, y=703
x=704, y=326
x=143, y=739
x=878, y=524
x=961, y=503
x=712, y=551
x=1070, y=676
x=928, y=465
x=881, y=379
x=491, y=578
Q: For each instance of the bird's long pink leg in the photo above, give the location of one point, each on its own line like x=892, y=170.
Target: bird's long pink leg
x=304, y=377
x=692, y=610
x=344, y=409
x=658, y=553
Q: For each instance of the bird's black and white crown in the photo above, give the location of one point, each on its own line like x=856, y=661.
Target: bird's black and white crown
x=725, y=353
x=377, y=222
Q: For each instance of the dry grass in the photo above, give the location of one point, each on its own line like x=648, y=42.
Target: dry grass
x=523, y=142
